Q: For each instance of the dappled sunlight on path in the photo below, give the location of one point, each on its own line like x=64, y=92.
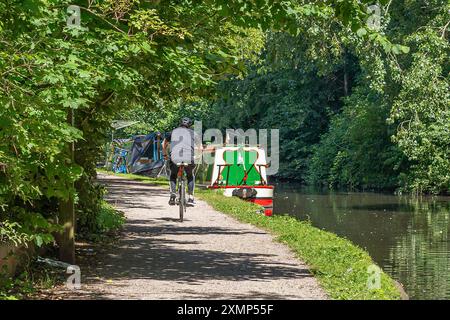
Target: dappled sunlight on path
x=209, y=255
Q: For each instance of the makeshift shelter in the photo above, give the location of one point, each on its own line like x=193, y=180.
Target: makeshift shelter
x=146, y=156
x=140, y=155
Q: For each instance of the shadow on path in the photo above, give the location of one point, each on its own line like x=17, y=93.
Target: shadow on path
x=157, y=248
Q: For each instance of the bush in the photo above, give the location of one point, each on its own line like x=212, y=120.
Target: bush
x=10, y=233
x=109, y=219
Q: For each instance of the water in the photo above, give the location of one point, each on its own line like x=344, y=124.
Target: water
x=408, y=237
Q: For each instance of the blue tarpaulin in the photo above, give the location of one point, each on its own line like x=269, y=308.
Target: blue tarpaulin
x=146, y=153
x=141, y=154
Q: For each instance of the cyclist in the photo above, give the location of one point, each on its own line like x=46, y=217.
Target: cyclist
x=183, y=142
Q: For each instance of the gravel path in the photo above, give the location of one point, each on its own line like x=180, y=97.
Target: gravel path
x=208, y=256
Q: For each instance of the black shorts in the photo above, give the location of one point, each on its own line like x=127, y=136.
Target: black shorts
x=189, y=169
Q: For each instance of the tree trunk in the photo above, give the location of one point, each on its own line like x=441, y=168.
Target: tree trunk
x=67, y=215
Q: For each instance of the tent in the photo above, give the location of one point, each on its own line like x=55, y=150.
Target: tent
x=146, y=156
x=141, y=154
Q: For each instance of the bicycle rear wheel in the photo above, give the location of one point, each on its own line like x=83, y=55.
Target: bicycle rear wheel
x=182, y=201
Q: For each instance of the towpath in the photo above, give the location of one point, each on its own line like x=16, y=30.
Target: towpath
x=208, y=256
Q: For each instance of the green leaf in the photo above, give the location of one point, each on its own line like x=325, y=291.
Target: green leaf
x=404, y=49
x=361, y=32
x=38, y=240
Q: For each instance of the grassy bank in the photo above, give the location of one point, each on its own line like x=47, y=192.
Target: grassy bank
x=340, y=266
x=155, y=181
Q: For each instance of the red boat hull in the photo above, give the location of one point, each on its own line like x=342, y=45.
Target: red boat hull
x=263, y=198
x=267, y=203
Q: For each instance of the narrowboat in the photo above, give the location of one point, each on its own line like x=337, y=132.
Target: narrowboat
x=241, y=172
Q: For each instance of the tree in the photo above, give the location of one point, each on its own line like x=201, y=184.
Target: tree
x=126, y=53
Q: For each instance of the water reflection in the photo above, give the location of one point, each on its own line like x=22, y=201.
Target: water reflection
x=407, y=236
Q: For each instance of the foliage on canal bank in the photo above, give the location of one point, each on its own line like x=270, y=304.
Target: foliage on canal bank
x=340, y=266
x=350, y=115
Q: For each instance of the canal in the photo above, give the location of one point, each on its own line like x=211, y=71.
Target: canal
x=407, y=236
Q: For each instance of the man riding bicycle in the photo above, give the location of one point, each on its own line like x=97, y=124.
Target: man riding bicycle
x=183, y=142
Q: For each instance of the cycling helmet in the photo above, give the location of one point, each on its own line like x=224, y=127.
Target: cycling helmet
x=186, y=122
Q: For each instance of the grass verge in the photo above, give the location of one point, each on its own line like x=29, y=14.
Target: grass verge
x=340, y=266
x=161, y=181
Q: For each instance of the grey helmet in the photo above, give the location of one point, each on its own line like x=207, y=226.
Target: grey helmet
x=186, y=122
